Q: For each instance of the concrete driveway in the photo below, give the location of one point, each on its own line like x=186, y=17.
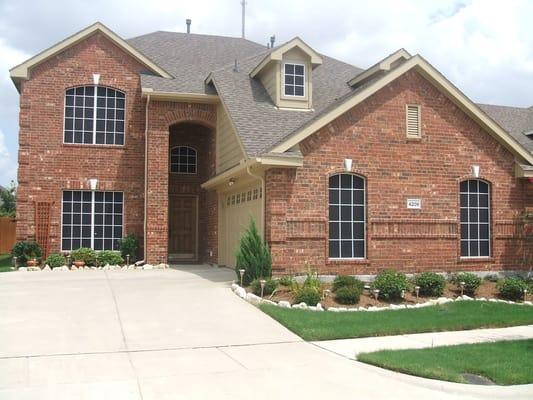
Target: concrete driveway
x=173, y=334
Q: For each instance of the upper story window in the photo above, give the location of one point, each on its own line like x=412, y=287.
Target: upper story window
x=94, y=115
x=475, y=218
x=183, y=160
x=294, y=80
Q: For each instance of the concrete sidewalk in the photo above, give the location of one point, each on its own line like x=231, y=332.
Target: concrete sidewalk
x=349, y=348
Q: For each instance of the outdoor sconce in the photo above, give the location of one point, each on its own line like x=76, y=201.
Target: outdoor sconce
x=96, y=79
x=474, y=171
x=262, y=283
x=462, y=284
x=241, y=273
x=93, y=184
x=231, y=182
x=417, y=291
x=348, y=164
x=376, y=293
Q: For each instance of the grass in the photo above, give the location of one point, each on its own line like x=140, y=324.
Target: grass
x=504, y=363
x=460, y=315
x=5, y=262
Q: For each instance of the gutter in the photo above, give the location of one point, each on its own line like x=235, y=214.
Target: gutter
x=146, y=176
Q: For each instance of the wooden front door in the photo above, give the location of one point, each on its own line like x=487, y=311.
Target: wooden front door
x=183, y=228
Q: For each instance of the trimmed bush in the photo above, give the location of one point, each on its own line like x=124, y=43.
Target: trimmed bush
x=348, y=294
x=84, y=254
x=307, y=295
x=431, y=284
x=253, y=255
x=512, y=288
x=129, y=245
x=472, y=282
x=26, y=250
x=270, y=286
x=55, y=260
x=109, y=257
x=286, y=280
x=390, y=284
x=347, y=281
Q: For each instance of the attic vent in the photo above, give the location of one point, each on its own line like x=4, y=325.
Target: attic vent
x=413, y=120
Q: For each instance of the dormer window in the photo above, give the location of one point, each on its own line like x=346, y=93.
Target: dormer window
x=294, y=80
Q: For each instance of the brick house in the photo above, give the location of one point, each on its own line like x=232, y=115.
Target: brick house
x=182, y=138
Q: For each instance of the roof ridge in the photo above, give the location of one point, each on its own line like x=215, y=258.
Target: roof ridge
x=196, y=34
x=224, y=67
x=505, y=106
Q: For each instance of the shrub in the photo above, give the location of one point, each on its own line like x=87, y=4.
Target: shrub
x=512, y=288
x=286, y=280
x=270, y=286
x=347, y=281
x=26, y=250
x=55, y=260
x=109, y=257
x=348, y=294
x=307, y=295
x=84, y=254
x=253, y=255
x=431, y=284
x=390, y=284
x=129, y=245
x=472, y=282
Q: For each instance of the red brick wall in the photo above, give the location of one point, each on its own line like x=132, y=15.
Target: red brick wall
x=396, y=168
x=47, y=166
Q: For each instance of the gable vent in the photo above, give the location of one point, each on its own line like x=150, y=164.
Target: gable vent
x=413, y=120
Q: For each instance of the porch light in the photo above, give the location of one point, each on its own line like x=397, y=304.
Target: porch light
x=262, y=282
x=474, y=171
x=241, y=273
x=96, y=79
x=93, y=184
x=231, y=181
x=348, y=164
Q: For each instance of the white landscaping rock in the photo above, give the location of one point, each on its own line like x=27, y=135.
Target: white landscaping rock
x=319, y=307
x=234, y=286
x=23, y=269
x=34, y=269
x=47, y=268
x=241, y=292
x=482, y=299
x=283, y=303
x=311, y=308
x=148, y=266
x=333, y=309
x=252, y=298
x=74, y=268
x=528, y=303
x=266, y=301
x=301, y=306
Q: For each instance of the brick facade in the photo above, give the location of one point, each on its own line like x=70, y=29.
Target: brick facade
x=396, y=168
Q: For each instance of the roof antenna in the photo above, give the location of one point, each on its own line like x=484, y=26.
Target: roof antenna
x=272, y=40
x=236, y=66
x=243, y=5
x=188, y=22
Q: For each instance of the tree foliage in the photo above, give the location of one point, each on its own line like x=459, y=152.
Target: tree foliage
x=253, y=255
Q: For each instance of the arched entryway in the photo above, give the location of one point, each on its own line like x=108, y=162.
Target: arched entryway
x=191, y=152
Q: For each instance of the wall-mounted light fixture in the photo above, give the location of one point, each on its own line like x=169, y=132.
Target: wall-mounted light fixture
x=231, y=181
x=348, y=164
x=96, y=79
x=474, y=171
x=93, y=183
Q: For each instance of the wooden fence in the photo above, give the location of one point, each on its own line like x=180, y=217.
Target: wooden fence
x=7, y=234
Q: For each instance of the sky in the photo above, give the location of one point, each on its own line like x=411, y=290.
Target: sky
x=484, y=47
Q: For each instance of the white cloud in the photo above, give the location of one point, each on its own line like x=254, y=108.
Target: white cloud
x=8, y=165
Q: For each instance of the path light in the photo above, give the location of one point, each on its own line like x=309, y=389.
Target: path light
x=326, y=293
x=402, y=294
x=14, y=261
x=462, y=284
x=241, y=272
x=376, y=293
x=417, y=291
x=525, y=294
x=128, y=260
x=262, y=283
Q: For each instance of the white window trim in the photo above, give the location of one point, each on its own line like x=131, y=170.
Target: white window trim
x=488, y=223
x=170, y=160
x=293, y=96
x=364, y=240
x=94, y=118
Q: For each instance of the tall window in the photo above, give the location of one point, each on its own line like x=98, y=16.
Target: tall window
x=347, y=216
x=475, y=218
x=183, y=160
x=94, y=115
x=91, y=219
x=294, y=80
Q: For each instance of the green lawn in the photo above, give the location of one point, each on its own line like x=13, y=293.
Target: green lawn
x=504, y=363
x=460, y=315
x=5, y=262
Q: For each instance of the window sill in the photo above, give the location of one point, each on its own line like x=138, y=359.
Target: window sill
x=347, y=261
x=465, y=260
x=100, y=146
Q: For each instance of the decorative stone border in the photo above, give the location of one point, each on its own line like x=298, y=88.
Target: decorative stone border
x=252, y=298
x=106, y=267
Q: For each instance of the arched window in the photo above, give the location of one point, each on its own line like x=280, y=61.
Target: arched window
x=347, y=216
x=94, y=115
x=183, y=160
x=475, y=218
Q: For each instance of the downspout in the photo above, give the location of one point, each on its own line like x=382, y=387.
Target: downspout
x=146, y=176
x=263, y=203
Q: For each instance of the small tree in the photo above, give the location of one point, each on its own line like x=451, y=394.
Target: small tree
x=8, y=201
x=253, y=255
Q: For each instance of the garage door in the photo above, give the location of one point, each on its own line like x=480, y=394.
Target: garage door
x=237, y=207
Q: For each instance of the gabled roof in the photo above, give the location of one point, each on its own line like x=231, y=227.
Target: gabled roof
x=380, y=67
x=276, y=54
x=22, y=71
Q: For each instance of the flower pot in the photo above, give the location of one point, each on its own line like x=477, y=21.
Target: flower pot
x=79, y=263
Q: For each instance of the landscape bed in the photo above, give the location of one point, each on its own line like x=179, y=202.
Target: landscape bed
x=502, y=363
x=457, y=315
x=5, y=262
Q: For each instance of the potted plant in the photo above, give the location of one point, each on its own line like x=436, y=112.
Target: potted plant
x=27, y=253
x=83, y=256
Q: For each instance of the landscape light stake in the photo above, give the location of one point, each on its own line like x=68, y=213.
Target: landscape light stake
x=462, y=284
x=14, y=261
x=128, y=260
x=326, y=293
x=525, y=294
x=402, y=294
x=241, y=272
x=262, y=283
x=417, y=291
x=376, y=294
